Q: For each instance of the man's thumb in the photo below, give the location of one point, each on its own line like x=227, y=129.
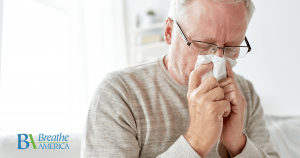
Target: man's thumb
x=197, y=74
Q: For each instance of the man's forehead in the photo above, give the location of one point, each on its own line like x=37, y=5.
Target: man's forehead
x=214, y=21
x=209, y=10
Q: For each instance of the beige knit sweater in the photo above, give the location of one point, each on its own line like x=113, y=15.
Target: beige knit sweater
x=141, y=111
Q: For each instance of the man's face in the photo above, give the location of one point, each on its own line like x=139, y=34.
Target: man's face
x=214, y=22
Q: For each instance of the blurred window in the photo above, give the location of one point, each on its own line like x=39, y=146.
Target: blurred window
x=35, y=62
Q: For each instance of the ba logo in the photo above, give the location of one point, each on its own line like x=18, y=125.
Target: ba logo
x=58, y=141
x=25, y=141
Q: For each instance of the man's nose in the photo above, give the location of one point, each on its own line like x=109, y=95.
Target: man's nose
x=219, y=52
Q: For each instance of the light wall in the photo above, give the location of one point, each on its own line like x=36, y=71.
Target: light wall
x=273, y=64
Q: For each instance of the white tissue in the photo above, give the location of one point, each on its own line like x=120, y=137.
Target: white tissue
x=219, y=70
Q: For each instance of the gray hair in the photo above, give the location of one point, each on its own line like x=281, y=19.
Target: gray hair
x=177, y=7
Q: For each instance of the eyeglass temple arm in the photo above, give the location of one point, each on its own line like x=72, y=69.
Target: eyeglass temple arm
x=181, y=33
x=189, y=43
x=249, y=47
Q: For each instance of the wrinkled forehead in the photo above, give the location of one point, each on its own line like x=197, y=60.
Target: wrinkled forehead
x=217, y=20
x=217, y=7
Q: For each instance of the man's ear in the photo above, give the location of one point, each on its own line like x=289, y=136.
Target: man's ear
x=168, y=31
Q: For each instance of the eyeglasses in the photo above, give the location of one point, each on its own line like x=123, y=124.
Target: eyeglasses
x=204, y=48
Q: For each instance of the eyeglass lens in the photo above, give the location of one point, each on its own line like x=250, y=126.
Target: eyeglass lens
x=234, y=53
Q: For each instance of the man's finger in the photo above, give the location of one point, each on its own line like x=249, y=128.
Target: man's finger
x=229, y=70
x=233, y=98
x=208, y=84
x=196, y=75
x=228, y=85
x=238, y=104
x=224, y=108
x=226, y=81
x=215, y=94
x=229, y=88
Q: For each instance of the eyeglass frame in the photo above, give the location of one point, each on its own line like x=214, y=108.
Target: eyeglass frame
x=188, y=43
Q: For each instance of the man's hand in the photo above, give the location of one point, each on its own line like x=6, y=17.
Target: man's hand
x=232, y=135
x=207, y=108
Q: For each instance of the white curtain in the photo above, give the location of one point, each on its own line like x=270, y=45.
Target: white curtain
x=98, y=47
x=1, y=20
x=55, y=53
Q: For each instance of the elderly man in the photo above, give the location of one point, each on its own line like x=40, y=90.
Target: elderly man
x=163, y=108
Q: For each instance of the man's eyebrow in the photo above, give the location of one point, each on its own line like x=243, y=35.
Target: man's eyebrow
x=204, y=39
x=235, y=42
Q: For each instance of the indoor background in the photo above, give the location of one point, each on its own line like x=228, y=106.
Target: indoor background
x=55, y=52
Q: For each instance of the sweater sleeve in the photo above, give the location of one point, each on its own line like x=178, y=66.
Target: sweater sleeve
x=259, y=143
x=180, y=149
x=110, y=129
